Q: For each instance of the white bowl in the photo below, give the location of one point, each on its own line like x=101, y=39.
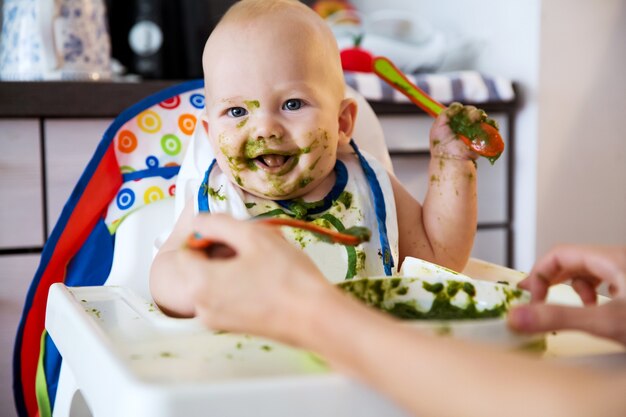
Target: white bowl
x=444, y=302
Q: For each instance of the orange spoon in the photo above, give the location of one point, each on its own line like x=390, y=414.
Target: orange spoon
x=483, y=138
x=352, y=236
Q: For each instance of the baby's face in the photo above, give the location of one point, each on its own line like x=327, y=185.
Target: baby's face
x=273, y=115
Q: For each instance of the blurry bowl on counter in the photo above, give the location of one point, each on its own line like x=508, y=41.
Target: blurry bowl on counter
x=407, y=39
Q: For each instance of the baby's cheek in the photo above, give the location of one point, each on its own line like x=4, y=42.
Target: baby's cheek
x=226, y=145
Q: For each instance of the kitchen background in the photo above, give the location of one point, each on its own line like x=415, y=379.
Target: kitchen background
x=569, y=169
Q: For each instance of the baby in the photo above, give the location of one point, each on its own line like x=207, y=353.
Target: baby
x=280, y=128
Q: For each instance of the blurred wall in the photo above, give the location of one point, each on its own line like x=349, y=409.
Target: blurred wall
x=509, y=32
x=581, y=187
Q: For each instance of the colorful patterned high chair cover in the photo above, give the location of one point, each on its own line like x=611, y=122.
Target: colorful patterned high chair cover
x=135, y=164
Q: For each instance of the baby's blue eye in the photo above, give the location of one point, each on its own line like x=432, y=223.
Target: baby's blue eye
x=237, y=112
x=292, y=104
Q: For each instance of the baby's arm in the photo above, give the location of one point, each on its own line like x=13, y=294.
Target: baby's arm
x=443, y=230
x=169, y=288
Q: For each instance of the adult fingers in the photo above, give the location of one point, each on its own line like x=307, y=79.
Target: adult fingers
x=591, y=263
x=605, y=320
x=568, y=261
x=537, y=285
x=586, y=290
x=237, y=234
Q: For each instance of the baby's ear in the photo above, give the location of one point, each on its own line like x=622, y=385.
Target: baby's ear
x=205, y=122
x=347, y=118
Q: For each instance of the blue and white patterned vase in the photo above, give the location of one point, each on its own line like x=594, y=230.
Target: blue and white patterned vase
x=54, y=40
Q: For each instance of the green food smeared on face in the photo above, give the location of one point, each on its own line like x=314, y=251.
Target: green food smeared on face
x=254, y=147
x=251, y=165
x=266, y=348
x=314, y=164
x=434, y=178
x=305, y=181
x=307, y=149
x=242, y=123
x=252, y=104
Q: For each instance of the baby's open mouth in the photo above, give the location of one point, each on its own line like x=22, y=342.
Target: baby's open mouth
x=276, y=164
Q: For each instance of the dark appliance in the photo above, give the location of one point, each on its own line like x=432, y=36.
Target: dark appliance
x=163, y=39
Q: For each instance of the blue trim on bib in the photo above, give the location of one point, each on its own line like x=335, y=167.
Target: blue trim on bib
x=340, y=184
x=341, y=179
x=203, y=191
x=379, y=206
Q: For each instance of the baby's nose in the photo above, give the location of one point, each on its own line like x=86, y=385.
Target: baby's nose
x=267, y=127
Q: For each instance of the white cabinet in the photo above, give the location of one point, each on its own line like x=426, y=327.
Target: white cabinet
x=70, y=144
x=16, y=273
x=21, y=216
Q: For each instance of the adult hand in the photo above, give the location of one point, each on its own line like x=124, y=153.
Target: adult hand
x=263, y=287
x=587, y=267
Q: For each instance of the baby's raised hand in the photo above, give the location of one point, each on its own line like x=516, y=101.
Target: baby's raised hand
x=444, y=143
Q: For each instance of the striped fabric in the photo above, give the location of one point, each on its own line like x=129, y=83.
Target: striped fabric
x=462, y=86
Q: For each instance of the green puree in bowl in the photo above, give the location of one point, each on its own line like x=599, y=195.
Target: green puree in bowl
x=386, y=294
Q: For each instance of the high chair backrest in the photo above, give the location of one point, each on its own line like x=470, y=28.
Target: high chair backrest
x=121, y=203
x=134, y=165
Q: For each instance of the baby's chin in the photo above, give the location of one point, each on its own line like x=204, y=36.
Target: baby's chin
x=290, y=194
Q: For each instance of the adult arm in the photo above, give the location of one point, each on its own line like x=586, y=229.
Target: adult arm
x=288, y=299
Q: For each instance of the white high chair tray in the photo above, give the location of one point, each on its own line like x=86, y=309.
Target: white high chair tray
x=129, y=359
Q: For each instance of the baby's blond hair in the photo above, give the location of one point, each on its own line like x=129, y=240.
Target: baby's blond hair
x=246, y=9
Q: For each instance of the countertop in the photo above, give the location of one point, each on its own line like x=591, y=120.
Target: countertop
x=107, y=99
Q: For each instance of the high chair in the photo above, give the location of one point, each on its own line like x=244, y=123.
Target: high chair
x=121, y=356
x=122, y=204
